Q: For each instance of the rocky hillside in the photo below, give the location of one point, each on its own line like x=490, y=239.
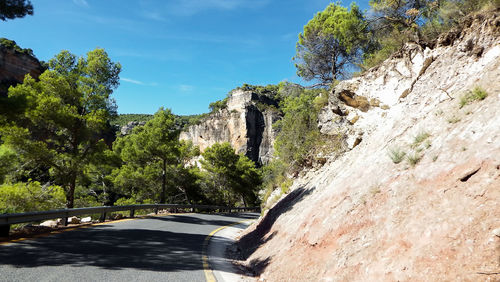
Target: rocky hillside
x=15, y=63
x=246, y=123
x=417, y=196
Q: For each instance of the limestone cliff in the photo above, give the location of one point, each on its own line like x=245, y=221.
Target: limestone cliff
x=14, y=65
x=246, y=123
x=416, y=198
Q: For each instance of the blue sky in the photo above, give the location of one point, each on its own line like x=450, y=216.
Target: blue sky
x=179, y=54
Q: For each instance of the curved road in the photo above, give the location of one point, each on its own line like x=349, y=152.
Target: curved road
x=167, y=248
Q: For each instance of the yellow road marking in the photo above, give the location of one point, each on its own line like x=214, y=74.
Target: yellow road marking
x=209, y=275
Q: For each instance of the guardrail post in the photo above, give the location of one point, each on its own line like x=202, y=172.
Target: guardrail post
x=4, y=230
x=132, y=212
x=103, y=217
x=156, y=210
x=65, y=220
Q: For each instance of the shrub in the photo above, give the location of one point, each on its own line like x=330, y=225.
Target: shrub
x=475, y=94
x=218, y=105
x=397, y=155
x=31, y=196
x=13, y=45
x=419, y=138
x=133, y=201
x=413, y=159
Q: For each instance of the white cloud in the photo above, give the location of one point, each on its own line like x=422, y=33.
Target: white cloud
x=132, y=81
x=138, y=82
x=192, y=7
x=155, y=16
x=186, y=88
x=81, y=3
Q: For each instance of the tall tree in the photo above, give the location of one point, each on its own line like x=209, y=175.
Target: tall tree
x=230, y=178
x=149, y=152
x=66, y=111
x=403, y=15
x=11, y=9
x=331, y=44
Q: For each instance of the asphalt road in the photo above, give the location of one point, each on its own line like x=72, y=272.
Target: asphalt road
x=165, y=248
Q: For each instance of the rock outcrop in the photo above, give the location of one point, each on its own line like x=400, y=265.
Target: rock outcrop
x=246, y=123
x=429, y=216
x=14, y=65
x=127, y=129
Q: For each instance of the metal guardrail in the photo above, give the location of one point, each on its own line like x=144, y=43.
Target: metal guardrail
x=7, y=219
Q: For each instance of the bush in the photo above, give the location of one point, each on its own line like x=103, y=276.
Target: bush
x=9, y=162
x=31, y=196
x=476, y=94
x=421, y=137
x=397, y=155
x=413, y=158
x=13, y=45
x=133, y=201
x=387, y=45
x=218, y=105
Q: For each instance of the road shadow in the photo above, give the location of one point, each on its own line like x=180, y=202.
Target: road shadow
x=116, y=247
x=242, y=216
x=249, y=243
x=203, y=221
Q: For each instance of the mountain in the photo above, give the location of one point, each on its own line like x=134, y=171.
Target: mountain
x=246, y=123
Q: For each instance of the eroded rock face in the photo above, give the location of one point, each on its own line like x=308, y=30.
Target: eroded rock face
x=364, y=216
x=14, y=66
x=246, y=127
x=127, y=129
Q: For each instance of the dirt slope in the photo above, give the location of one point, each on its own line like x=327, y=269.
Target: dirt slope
x=362, y=217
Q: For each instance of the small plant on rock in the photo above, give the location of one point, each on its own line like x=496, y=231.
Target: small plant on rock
x=414, y=158
x=421, y=137
x=396, y=154
x=476, y=94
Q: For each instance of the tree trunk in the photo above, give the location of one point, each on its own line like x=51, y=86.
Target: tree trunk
x=334, y=67
x=70, y=194
x=163, y=183
x=244, y=202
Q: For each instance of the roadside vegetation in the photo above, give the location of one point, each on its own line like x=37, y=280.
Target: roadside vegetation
x=58, y=148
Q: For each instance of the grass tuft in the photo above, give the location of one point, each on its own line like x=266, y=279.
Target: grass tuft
x=397, y=155
x=476, y=94
x=421, y=137
x=414, y=158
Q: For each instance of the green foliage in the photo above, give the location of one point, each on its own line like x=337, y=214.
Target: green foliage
x=10, y=44
x=132, y=201
x=274, y=174
x=397, y=155
x=419, y=138
x=218, y=105
x=26, y=197
x=9, y=162
x=413, y=158
x=388, y=44
x=298, y=130
x=229, y=178
x=184, y=122
x=270, y=90
x=476, y=94
x=66, y=110
x=331, y=44
x=298, y=141
x=147, y=153
x=11, y=9
x=395, y=23
x=123, y=119
x=97, y=180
